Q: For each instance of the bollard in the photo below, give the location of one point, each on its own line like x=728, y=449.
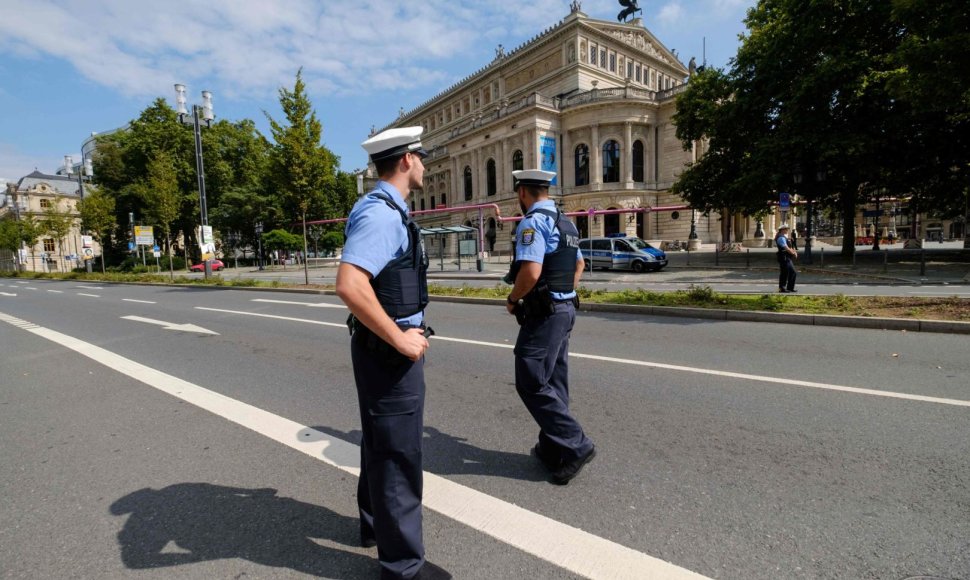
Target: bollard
x=688, y=255
x=885, y=261
x=717, y=261
x=748, y=258
x=922, y=263
x=821, y=257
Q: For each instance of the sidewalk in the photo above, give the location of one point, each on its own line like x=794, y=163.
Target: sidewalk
x=895, y=266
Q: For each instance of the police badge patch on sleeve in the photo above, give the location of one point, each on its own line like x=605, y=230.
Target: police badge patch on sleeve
x=528, y=236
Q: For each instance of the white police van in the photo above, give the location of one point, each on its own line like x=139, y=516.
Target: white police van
x=621, y=253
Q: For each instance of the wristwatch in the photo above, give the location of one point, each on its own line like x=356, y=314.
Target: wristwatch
x=513, y=302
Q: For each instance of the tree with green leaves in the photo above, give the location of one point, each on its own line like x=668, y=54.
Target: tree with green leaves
x=301, y=168
x=58, y=224
x=799, y=98
x=162, y=198
x=97, y=211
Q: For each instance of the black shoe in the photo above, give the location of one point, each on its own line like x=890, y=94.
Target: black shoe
x=550, y=461
x=431, y=572
x=572, y=469
x=782, y=290
x=367, y=542
x=792, y=290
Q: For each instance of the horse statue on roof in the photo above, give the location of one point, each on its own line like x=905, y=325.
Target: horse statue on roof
x=630, y=8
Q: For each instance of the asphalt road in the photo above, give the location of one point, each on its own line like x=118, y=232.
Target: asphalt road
x=728, y=449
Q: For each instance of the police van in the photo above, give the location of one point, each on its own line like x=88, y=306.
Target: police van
x=621, y=253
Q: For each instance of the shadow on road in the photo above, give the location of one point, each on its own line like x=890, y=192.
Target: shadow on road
x=196, y=522
x=450, y=455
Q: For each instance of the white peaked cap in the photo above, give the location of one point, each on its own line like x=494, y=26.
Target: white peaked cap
x=394, y=143
x=535, y=177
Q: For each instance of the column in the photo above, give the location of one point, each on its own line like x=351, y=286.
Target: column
x=504, y=177
x=476, y=177
x=454, y=193
x=627, y=156
x=566, y=163
x=595, y=161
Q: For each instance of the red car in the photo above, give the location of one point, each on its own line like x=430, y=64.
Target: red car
x=216, y=266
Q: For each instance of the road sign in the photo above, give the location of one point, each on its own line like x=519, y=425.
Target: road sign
x=784, y=200
x=144, y=236
x=87, y=241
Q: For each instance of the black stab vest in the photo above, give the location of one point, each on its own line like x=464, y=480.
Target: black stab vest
x=402, y=286
x=559, y=266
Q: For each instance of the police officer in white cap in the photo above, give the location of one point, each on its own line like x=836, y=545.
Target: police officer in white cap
x=546, y=273
x=382, y=278
x=786, y=260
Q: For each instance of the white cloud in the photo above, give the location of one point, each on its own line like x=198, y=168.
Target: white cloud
x=254, y=46
x=671, y=14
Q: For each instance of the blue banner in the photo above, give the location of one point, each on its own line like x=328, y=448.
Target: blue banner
x=547, y=151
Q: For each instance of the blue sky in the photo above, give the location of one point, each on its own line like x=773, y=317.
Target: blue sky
x=70, y=67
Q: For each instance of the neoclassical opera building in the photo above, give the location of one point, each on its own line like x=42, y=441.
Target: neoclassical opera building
x=589, y=99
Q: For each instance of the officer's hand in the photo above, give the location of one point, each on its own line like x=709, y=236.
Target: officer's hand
x=510, y=308
x=412, y=344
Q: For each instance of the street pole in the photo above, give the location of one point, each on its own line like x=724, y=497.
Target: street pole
x=207, y=116
x=875, y=237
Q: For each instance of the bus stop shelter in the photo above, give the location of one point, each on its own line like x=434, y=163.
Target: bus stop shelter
x=467, y=247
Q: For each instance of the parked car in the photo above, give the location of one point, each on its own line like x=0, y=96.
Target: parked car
x=622, y=253
x=216, y=266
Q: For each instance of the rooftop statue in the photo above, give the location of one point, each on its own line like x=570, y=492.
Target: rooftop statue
x=630, y=8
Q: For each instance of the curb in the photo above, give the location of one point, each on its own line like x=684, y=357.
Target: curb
x=860, y=322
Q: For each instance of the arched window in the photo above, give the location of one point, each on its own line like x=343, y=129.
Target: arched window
x=490, y=177
x=468, y=183
x=517, y=163
x=433, y=199
x=638, y=160
x=611, y=223
x=412, y=205
x=443, y=202
x=611, y=162
x=582, y=165
x=422, y=204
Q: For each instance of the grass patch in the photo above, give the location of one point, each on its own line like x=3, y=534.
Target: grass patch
x=944, y=308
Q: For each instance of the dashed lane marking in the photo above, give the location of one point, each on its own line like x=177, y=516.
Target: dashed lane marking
x=310, y=304
x=138, y=301
x=562, y=545
x=91, y=295
x=665, y=366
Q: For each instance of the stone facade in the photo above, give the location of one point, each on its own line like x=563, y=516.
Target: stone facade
x=589, y=99
x=31, y=197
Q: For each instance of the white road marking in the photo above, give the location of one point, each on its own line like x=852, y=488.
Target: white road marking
x=669, y=367
x=171, y=325
x=7, y=294
x=91, y=295
x=560, y=544
x=56, y=291
x=29, y=288
x=138, y=301
x=310, y=304
x=304, y=320
x=90, y=287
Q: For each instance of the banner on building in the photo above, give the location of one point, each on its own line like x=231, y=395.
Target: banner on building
x=548, y=156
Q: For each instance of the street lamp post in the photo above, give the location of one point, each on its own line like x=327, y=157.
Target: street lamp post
x=207, y=115
x=87, y=169
x=259, y=241
x=797, y=177
x=875, y=233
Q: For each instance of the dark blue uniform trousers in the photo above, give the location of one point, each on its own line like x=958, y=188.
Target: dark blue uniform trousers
x=391, y=397
x=542, y=381
x=787, y=274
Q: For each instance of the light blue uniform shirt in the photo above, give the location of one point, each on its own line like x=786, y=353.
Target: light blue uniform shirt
x=375, y=235
x=781, y=242
x=537, y=236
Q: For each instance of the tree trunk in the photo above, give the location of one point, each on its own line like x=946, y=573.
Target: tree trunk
x=306, y=271
x=848, y=224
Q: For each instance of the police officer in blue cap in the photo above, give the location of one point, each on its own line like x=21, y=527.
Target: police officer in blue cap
x=546, y=273
x=382, y=278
